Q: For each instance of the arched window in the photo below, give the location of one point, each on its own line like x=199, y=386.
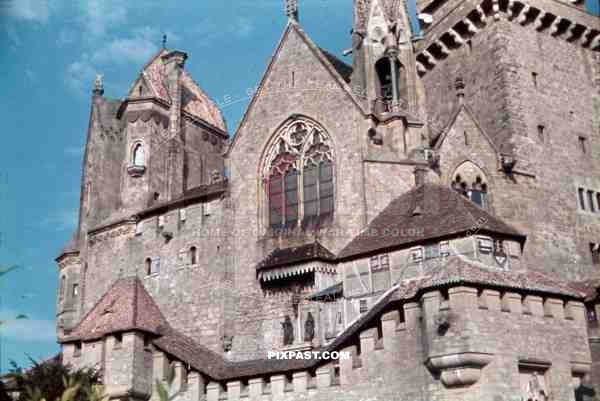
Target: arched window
x=298, y=176
x=193, y=255
x=138, y=155
x=384, y=75
x=477, y=190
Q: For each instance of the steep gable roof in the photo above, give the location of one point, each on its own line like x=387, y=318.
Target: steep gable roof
x=424, y=214
x=195, y=101
x=126, y=306
x=336, y=69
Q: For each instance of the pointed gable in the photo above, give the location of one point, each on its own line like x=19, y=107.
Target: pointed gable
x=194, y=100
x=126, y=306
x=338, y=70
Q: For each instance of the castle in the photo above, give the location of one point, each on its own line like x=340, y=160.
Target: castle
x=429, y=213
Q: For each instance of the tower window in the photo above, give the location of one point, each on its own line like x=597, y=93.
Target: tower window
x=193, y=255
x=595, y=252
x=591, y=201
x=363, y=306
x=75, y=290
x=581, y=193
x=582, y=144
x=534, y=79
x=299, y=179
x=541, y=131
x=138, y=158
x=384, y=73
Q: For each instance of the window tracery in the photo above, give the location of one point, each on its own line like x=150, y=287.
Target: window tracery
x=298, y=176
x=476, y=191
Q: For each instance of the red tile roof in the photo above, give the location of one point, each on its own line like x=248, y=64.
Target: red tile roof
x=426, y=213
x=126, y=306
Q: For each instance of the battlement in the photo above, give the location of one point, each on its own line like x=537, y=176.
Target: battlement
x=455, y=27
x=456, y=333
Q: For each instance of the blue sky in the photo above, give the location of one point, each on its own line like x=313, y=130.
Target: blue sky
x=50, y=52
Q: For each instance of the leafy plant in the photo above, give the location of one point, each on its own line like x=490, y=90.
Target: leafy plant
x=52, y=381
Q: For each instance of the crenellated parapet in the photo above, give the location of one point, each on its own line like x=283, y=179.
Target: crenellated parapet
x=440, y=340
x=572, y=26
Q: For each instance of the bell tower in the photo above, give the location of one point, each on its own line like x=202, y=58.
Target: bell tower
x=385, y=68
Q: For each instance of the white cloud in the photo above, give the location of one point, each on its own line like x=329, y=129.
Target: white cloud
x=31, y=329
x=136, y=49
x=28, y=10
x=80, y=75
x=98, y=15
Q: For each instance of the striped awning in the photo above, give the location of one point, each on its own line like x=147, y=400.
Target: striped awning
x=283, y=272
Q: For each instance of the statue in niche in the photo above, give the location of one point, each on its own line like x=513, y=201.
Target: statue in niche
x=535, y=389
x=309, y=328
x=288, y=331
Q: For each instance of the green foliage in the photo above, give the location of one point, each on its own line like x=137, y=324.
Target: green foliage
x=52, y=381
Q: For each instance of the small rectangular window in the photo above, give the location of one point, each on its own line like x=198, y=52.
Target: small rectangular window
x=155, y=266
x=583, y=144
x=139, y=228
x=77, y=350
x=417, y=255
x=595, y=251
x=363, y=306
x=534, y=78
x=541, y=131
x=75, y=290
x=385, y=262
x=591, y=201
x=432, y=251
x=118, y=340
x=374, y=262
x=592, y=316
x=581, y=193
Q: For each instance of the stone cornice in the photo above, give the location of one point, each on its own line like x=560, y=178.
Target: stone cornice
x=575, y=29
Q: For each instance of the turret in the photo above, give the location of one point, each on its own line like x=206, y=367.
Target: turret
x=384, y=66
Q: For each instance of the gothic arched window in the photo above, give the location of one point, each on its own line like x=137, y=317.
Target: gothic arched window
x=298, y=176
x=477, y=190
x=138, y=155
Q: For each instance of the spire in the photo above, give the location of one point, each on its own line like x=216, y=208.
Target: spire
x=291, y=9
x=98, y=85
x=164, y=41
